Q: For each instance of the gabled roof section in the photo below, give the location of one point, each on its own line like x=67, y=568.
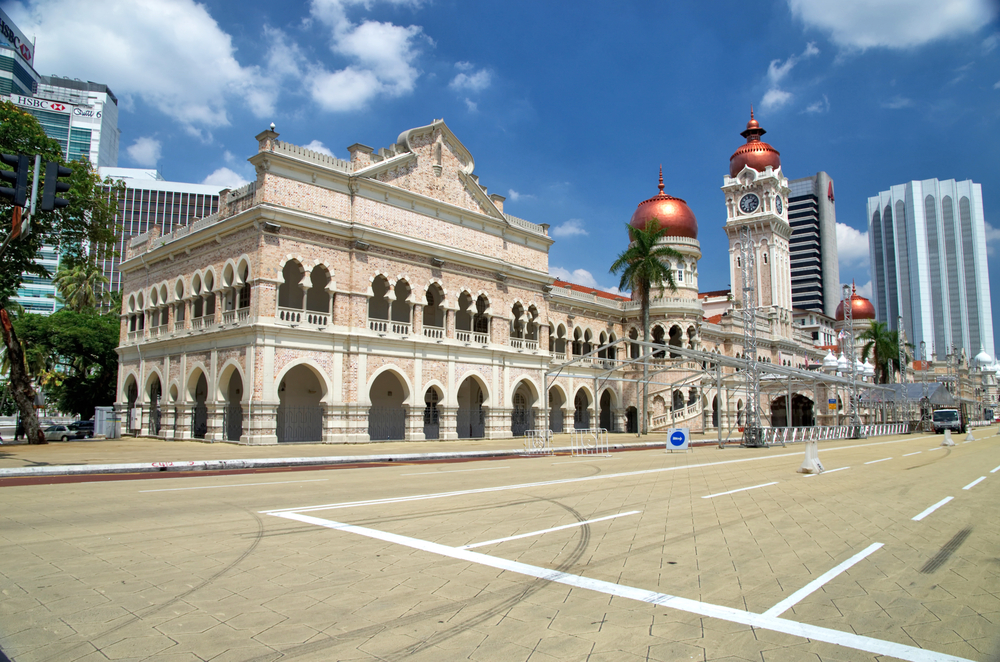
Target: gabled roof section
x=385, y=164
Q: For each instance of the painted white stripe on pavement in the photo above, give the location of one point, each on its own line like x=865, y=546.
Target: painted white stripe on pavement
x=555, y=528
x=932, y=509
x=877, y=461
x=936, y=448
x=815, y=584
x=213, y=487
x=826, y=471
x=826, y=635
x=974, y=483
x=909, y=454
x=563, y=481
x=742, y=489
x=453, y=471
x=995, y=470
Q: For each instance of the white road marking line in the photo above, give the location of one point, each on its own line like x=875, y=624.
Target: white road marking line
x=974, y=483
x=932, y=509
x=995, y=470
x=453, y=471
x=936, y=448
x=555, y=528
x=826, y=471
x=212, y=487
x=521, y=486
x=590, y=460
x=968, y=442
x=815, y=584
x=876, y=461
x=742, y=489
x=826, y=635
x=909, y=454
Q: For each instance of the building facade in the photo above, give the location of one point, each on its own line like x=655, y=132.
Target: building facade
x=150, y=201
x=390, y=297
x=929, y=266
x=815, y=267
x=17, y=60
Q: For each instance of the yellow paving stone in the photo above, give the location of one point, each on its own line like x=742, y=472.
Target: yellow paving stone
x=138, y=647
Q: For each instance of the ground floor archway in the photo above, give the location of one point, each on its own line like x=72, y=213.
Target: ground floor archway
x=232, y=415
x=802, y=411
x=300, y=414
x=581, y=410
x=556, y=403
x=607, y=417
x=387, y=415
x=471, y=416
x=522, y=412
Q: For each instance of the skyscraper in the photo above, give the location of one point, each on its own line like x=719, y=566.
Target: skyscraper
x=150, y=201
x=815, y=270
x=17, y=59
x=928, y=251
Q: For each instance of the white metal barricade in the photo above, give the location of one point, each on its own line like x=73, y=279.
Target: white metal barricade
x=589, y=442
x=538, y=442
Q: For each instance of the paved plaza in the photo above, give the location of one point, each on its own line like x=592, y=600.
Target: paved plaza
x=712, y=554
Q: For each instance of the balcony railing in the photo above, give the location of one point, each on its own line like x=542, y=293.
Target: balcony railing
x=198, y=323
x=134, y=335
x=559, y=356
x=433, y=332
x=290, y=315
x=388, y=326
x=473, y=337
x=521, y=343
x=179, y=325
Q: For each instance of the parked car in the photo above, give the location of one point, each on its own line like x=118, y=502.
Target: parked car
x=59, y=433
x=84, y=429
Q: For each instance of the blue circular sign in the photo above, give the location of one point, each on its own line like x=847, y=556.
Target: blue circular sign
x=677, y=438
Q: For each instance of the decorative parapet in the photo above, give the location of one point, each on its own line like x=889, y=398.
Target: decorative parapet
x=299, y=152
x=527, y=225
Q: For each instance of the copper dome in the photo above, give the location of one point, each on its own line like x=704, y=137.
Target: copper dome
x=861, y=308
x=756, y=153
x=672, y=213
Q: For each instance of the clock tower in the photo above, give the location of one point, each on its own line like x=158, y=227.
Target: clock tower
x=757, y=199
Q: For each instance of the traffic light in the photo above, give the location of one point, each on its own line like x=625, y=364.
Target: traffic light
x=53, y=171
x=19, y=176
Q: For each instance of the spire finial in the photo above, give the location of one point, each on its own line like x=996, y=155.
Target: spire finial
x=661, y=178
x=751, y=111
x=854, y=289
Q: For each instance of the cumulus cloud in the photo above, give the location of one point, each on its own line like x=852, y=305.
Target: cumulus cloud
x=865, y=290
x=471, y=105
x=382, y=57
x=577, y=276
x=852, y=247
x=777, y=72
x=992, y=238
x=145, y=152
x=894, y=24
x=819, y=106
x=571, y=228
x=171, y=54
x=515, y=196
x=318, y=146
x=474, y=82
x=225, y=178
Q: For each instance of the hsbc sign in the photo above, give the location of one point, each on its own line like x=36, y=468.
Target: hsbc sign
x=16, y=39
x=41, y=104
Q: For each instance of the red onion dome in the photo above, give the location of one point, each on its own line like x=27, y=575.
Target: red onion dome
x=756, y=153
x=861, y=308
x=672, y=213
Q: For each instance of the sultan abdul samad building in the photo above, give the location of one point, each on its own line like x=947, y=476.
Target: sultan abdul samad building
x=390, y=297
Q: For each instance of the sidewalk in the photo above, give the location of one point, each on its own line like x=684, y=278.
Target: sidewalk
x=130, y=455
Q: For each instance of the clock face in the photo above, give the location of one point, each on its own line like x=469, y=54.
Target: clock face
x=777, y=204
x=749, y=203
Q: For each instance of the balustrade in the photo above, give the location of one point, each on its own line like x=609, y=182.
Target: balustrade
x=433, y=332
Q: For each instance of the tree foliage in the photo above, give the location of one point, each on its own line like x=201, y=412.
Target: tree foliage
x=882, y=345
x=643, y=266
x=81, y=287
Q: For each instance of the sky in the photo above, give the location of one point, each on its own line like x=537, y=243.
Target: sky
x=569, y=109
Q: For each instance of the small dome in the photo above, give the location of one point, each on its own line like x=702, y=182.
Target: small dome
x=983, y=359
x=843, y=365
x=861, y=308
x=868, y=370
x=756, y=153
x=671, y=213
x=829, y=361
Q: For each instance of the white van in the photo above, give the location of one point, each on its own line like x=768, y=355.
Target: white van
x=947, y=419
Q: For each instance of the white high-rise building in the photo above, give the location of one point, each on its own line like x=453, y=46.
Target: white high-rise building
x=928, y=250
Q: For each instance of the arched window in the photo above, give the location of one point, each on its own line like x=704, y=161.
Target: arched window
x=401, y=305
x=378, y=304
x=433, y=312
x=290, y=293
x=318, y=296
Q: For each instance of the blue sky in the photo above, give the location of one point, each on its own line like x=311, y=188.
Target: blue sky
x=568, y=108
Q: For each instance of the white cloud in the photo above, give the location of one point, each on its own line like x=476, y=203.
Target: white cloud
x=777, y=71
x=463, y=66
x=992, y=238
x=317, y=146
x=471, y=105
x=383, y=58
x=852, y=247
x=577, y=276
x=996, y=85
x=571, y=228
x=476, y=82
x=225, y=178
x=819, y=106
x=775, y=99
x=145, y=152
x=865, y=290
x=896, y=24
x=170, y=53
x=991, y=42
x=515, y=196
x=897, y=102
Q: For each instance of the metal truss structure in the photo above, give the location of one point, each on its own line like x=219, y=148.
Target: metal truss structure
x=848, y=346
x=752, y=436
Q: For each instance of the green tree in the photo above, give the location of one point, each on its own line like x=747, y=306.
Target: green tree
x=82, y=286
x=82, y=231
x=882, y=345
x=643, y=266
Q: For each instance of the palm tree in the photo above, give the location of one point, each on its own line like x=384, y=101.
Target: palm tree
x=81, y=287
x=643, y=265
x=883, y=345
